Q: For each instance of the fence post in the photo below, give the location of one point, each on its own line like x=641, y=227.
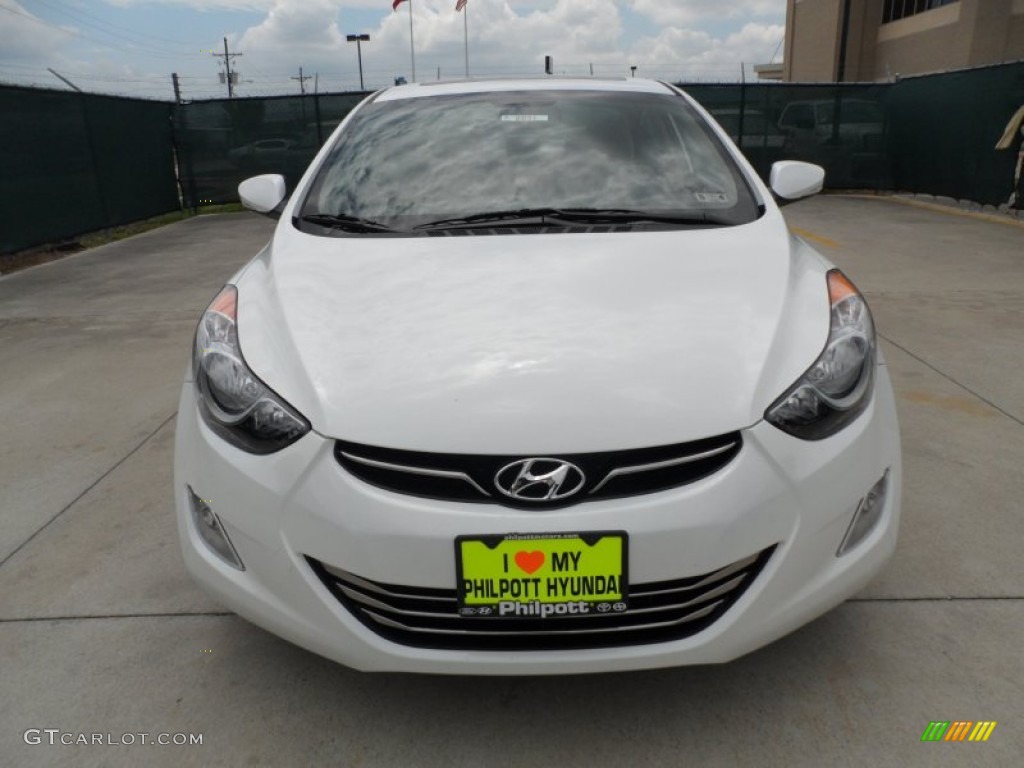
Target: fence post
x=180, y=119
x=176, y=154
x=743, y=104
x=316, y=111
x=91, y=142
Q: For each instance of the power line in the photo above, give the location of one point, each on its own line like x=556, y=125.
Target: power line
x=75, y=33
x=78, y=13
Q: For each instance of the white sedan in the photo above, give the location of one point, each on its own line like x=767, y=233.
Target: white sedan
x=532, y=379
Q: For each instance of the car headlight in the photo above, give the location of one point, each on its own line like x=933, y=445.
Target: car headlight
x=234, y=403
x=838, y=386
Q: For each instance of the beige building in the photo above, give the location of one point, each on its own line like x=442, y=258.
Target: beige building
x=866, y=40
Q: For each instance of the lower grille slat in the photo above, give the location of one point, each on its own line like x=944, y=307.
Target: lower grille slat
x=428, y=617
x=554, y=632
x=369, y=602
x=723, y=573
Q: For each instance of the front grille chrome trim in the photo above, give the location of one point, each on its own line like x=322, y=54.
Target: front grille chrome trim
x=715, y=593
x=618, y=471
x=370, y=602
x=711, y=578
x=430, y=617
x=473, y=478
x=425, y=471
x=723, y=589
x=559, y=632
x=379, y=589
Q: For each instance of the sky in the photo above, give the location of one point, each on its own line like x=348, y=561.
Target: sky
x=132, y=46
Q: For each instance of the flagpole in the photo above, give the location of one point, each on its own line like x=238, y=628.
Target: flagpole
x=465, y=34
x=412, y=47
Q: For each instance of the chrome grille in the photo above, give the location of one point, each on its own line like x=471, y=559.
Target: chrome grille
x=471, y=477
x=658, y=612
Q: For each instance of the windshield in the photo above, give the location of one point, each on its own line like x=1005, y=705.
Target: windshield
x=412, y=162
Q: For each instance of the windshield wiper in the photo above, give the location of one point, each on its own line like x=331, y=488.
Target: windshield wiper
x=622, y=215
x=578, y=215
x=529, y=214
x=345, y=222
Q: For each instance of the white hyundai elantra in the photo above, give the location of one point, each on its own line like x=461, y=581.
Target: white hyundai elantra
x=532, y=378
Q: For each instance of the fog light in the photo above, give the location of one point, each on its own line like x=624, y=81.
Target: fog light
x=212, y=532
x=867, y=515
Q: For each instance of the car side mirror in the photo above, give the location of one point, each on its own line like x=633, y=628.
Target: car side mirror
x=264, y=194
x=792, y=180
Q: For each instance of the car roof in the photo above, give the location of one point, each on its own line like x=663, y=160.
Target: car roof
x=454, y=87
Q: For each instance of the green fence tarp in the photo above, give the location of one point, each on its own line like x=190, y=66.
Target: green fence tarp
x=72, y=163
x=945, y=128
x=225, y=141
x=843, y=128
x=934, y=134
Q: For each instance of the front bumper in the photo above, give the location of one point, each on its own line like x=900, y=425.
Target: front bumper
x=281, y=509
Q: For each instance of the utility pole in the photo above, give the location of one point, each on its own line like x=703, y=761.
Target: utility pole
x=229, y=76
x=302, y=81
x=359, y=40
x=844, y=36
x=177, y=88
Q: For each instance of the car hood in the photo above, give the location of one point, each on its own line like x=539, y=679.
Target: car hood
x=539, y=343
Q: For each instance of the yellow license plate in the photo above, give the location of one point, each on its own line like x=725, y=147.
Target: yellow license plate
x=541, y=575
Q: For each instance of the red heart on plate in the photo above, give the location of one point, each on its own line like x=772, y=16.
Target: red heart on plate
x=530, y=561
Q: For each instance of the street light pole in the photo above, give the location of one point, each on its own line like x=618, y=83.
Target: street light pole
x=359, y=40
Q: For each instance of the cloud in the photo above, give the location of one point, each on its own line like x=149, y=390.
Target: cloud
x=296, y=28
x=697, y=54
x=503, y=39
x=203, y=5
x=25, y=36
x=689, y=12
x=666, y=39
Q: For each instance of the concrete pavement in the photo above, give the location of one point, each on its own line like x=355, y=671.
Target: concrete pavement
x=101, y=631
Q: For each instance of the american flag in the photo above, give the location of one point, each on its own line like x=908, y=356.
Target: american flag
x=460, y=4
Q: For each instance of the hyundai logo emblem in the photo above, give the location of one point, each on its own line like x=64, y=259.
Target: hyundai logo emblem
x=539, y=479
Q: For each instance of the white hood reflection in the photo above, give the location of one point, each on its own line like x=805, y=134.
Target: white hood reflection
x=538, y=343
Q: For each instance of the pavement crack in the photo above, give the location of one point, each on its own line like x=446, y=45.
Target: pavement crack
x=946, y=376
x=936, y=599
x=92, y=485
x=103, y=616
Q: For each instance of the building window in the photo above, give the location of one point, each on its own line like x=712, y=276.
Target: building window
x=895, y=10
